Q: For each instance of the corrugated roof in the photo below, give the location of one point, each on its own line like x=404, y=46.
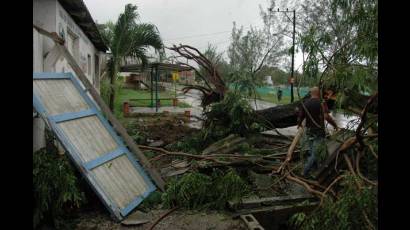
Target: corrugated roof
x=82, y=17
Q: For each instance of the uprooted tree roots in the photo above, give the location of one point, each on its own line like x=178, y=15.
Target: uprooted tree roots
x=347, y=181
x=214, y=89
x=350, y=169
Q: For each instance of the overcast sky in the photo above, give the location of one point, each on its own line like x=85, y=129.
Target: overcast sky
x=192, y=22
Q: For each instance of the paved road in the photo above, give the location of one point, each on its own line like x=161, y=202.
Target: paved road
x=193, y=98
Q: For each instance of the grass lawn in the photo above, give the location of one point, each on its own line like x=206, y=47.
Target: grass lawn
x=127, y=94
x=274, y=99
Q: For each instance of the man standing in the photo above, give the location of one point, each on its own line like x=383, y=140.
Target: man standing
x=315, y=115
x=279, y=94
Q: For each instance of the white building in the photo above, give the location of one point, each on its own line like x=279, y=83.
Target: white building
x=268, y=80
x=71, y=20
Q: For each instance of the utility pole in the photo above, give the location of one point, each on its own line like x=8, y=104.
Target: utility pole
x=293, y=50
x=293, y=58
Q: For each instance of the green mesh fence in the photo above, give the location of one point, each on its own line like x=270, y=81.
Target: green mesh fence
x=273, y=90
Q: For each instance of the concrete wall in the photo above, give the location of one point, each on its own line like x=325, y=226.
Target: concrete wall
x=85, y=55
x=51, y=16
x=44, y=15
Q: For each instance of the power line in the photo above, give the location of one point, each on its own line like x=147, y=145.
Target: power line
x=215, y=44
x=199, y=35
x=208, y=34
x=197, y=40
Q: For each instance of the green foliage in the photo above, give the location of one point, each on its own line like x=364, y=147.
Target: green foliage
x=226, y=187
x=106, y=90
x=244, y=147
x=215, y=57
x=250, y=50
x=192, y=191
x=246, y=83
x=369, y=163
x=344, y=213
x=128, y=39
x=321, y=152
x=153, y=200
x=279, y=77
x=137, y=136
x=191, y=144
x=341, y=38
x=233, y=115
x=55, y=186
x=297, y=219
x=248, y=53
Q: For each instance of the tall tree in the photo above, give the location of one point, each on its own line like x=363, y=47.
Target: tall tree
x=341, y=42
x=213, y=55
x=248, y=53
x=128, y=39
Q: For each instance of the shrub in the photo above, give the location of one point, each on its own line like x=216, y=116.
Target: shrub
x=196, y=190
x=344, y=213
x=55, y=187
x=231, y=115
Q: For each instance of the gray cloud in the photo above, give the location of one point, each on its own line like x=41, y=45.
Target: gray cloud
x=181, y=21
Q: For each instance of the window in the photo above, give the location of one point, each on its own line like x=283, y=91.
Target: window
x=89, y=64
x=96, y=71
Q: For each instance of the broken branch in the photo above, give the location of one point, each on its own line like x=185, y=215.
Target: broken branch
x=358, y=157
x=162, y=217
x=291, y=149
x=328, y=187
x=182, y=154
x=310, y=189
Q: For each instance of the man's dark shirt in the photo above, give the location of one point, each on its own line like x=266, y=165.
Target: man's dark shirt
x=315, y=109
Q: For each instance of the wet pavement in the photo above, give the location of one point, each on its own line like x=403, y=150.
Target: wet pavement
x=193, y=98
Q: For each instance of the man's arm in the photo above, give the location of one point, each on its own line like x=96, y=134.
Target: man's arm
x=329, y=118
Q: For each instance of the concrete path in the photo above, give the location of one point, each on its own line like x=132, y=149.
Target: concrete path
x=193, y=98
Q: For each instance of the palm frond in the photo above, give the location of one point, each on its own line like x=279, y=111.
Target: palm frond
x=123, y=31
x=140, y=54
x=146, y=34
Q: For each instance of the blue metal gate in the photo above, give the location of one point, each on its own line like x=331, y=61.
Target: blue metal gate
x=91, y=142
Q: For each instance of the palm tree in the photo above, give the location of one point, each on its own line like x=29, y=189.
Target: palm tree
x=127, y=38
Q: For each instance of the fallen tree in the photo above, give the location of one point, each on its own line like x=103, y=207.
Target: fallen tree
x=280, y=116
x=283, y=116
x=214, y=88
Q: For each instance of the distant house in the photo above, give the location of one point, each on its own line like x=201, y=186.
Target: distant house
x=268, y=80
x=71, y=20
x=187, y=77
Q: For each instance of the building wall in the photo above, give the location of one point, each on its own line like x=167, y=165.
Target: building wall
x=37, y=51
x=51, y=16
x=85, y=50
x=44, y=16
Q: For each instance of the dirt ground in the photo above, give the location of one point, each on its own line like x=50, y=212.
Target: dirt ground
x=169, y=128
x=177, y=220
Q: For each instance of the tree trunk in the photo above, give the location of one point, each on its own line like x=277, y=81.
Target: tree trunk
x=280, y=116
x=283, y=116
x=112, y=91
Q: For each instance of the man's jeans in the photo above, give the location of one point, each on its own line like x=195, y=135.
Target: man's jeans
x=314, y=142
